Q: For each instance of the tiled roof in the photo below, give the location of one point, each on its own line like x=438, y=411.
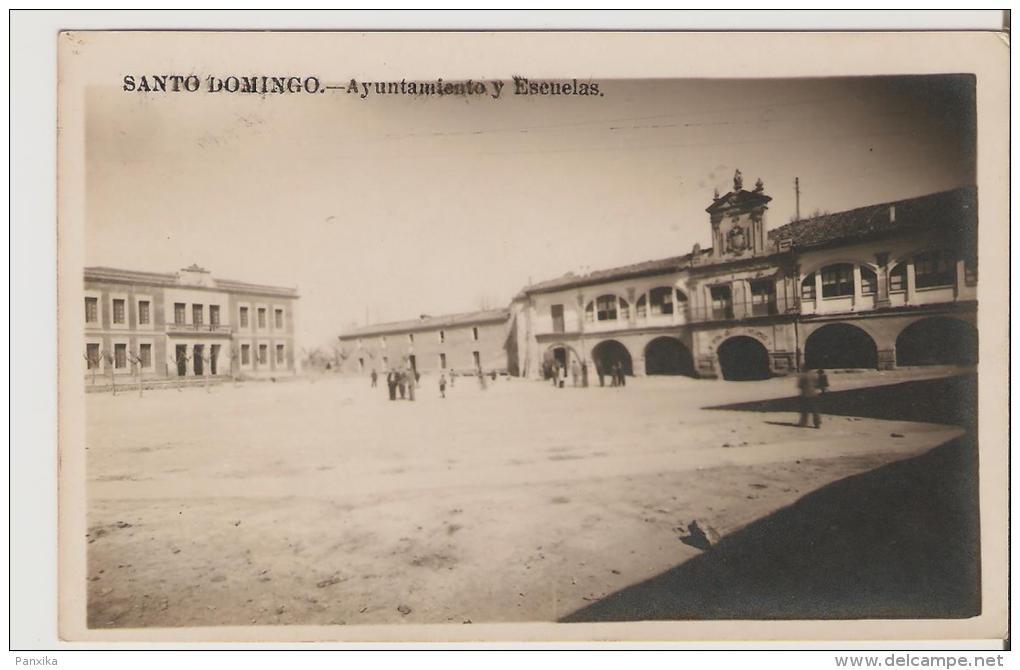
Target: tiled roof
x=947, y=210
x=426, y=322
x=570, y=279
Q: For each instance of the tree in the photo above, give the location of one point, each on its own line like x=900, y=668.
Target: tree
x=177, y=359
x=136, y=364
x=93, y=362
x=111, y=361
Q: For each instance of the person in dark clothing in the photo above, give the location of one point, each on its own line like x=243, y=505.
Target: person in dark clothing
x=375, y=378
x=412, y=384
x=391, y=384
x=822, y=382
x=601, y=373
x=584, y=374
x=402, y=384
x=807, y=384
x=442, y=386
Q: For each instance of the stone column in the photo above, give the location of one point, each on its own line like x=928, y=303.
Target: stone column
x=961, y=278
x=818, y=291
x=632, y=308
x=886, y=359
x=911, y=286
x=882, y=290
x=857, y=286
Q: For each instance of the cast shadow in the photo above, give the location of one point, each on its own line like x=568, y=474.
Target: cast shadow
x=900, y=541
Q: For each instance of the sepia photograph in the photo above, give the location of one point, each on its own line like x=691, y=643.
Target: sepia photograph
x=523, y=349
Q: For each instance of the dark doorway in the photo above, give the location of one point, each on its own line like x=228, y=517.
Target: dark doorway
x=840, y=345
x=197, y=359
x=610, y=352
x=214, y=354
x=743, y=359
x=560, y=356
x=668, y=356
x=937, y=341
x=181, y=356
x=413, y=362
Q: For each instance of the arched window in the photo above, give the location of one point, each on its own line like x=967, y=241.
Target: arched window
x=681, y=299
x=934, y=268
x=661, y=300
x=807, y=287
x=869, y=281
x=642, y=307
x=607, y=308
x=898, y=279
x=837, y=280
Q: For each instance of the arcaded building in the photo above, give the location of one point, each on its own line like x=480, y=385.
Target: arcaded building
x=891, y=284
x=187, y=324
x=878, y=287
x=454, y=343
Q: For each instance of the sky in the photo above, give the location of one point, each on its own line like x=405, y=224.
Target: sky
x=390, y=207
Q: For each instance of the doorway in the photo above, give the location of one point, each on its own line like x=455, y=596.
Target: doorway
x=181, y=356
x=198, y=360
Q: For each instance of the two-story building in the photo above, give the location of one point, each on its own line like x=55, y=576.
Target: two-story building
x=149, y=325
x=875, y=287
x=455, y=343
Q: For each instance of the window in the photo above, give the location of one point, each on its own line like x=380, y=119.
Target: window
x=641, y=309
x=279, y=354
x=179, y=317
x=807, y=287
x=410, y=338
x=92, y=355
x=837, y=280
x=92, y=310
x=898, y=278
x=442, y=361
x=934, y=268
x=605, y=307
x=196, y=314
x=145, y=355
x=243, y=317
x=278, y=317
x=245, y=354
x=263, y=354
x=661, y=300
x=556, y=312
x=118, y=310
x=869, y=281
x=214, y=315
x=589, y=313
x=262, y=317
x=681, y=299
x=762, y=296
x=144, y=313
x=442, y=336
x=722, y=302
x=474, y=333
x=120, y=356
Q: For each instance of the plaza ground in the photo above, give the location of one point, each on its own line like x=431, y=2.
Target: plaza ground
x=318, y=501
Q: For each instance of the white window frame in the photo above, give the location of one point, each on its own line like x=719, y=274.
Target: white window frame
x=98, y=323
x=283, y=318
x=258, y=328
x=127, y=316
x=209, y=311
x=258, y=352
x=151, y=367
x=251, y=317
x=276, y=361
x=127, y=369
x=140, y=298
x=241, y=365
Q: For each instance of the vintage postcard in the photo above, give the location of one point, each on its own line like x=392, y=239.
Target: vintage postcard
x=563, y=337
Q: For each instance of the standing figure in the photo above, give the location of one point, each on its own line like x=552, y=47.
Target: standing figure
x=442, y=385
x=555, y=374
x=417, y=378
x=584, y=374
x=622, y=372
x=575, y=372
x=563, y=377
x=412, y=384
x=375, y=378
x=402, y=383
x=391, y=383
x=807, y=384
x=601, y=372
x=453, y=378
x=822, y=382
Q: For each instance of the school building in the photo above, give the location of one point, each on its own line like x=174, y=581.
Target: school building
x=146, y=325
x=877, y=287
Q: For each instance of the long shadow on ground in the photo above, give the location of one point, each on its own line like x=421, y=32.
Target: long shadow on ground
x=944, y=400
x=900, y=541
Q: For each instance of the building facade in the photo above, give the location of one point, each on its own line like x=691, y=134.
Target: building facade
x=456, y=344
x=145, y=325
x=877, y=287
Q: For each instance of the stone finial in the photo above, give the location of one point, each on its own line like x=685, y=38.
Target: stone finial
x=759, y=186
x=738, y=181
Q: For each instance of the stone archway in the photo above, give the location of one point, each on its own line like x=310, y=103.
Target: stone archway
x=609, y=352
x=939, y=340
x=840, y=345
x=668, y=356
x=743, y=358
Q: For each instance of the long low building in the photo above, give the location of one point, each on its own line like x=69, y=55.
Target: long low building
x=877, y=287
x=154, y=325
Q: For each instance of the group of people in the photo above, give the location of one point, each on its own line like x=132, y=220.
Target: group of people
x=405, y=381
x=578, y=373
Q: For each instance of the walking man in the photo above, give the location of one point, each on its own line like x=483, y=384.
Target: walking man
x=375, y=378
x=807, y=384
x=391, y=383
x=402, y=383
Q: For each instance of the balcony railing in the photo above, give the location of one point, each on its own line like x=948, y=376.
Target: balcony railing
x=215, y=328
x=736, y=310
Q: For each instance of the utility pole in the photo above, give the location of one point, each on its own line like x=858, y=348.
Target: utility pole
x=796, y=191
